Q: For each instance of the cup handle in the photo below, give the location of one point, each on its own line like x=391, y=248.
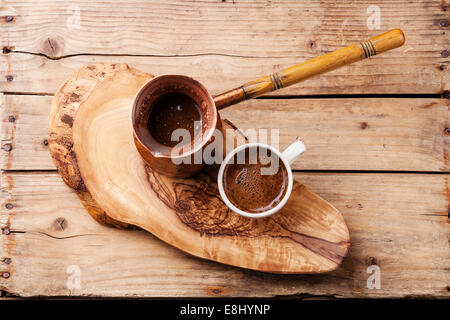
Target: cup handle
x=294, y=151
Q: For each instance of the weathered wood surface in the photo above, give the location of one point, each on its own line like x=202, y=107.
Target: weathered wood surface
x=341, y=134
x=398, y=222
x=224, y=43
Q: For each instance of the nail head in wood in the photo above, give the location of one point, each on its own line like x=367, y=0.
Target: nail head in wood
x=446, y=94
x=371, y=261
x=60, y=224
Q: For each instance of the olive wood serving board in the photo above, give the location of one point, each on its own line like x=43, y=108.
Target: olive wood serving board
x=92, y=146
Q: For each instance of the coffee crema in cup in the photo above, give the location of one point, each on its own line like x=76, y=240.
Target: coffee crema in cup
x=170, y=112
x=252, y=184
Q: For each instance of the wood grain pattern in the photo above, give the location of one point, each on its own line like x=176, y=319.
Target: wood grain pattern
x=398, y=222
x=341, y=134
x=65, y=105
x=307, y=236
x=223, y=44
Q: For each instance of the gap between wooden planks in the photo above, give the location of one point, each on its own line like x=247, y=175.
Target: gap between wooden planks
x=397, y=221
x=340, y=134
x=223, y=44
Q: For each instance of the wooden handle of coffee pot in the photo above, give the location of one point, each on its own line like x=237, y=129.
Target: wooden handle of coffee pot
x=330, y=61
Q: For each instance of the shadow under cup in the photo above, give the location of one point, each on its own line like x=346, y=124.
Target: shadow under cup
x=173, y=161
x=255, y=180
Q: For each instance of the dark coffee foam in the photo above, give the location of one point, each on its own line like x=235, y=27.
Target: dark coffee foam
x=249, y=189
x=170, y=112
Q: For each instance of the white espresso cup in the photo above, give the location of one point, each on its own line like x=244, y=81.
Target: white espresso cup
x=288, y=156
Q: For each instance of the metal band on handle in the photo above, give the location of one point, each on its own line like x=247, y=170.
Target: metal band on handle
x=276, y=81
x=368, y=48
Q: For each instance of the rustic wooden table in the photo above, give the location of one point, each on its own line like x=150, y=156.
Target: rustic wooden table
x=377, y=134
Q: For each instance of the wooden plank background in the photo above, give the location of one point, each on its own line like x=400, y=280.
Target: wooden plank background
x=382, y=159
